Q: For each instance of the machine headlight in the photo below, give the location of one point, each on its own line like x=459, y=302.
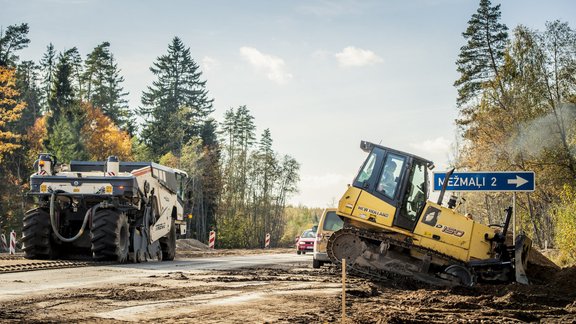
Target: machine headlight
x=43, y=188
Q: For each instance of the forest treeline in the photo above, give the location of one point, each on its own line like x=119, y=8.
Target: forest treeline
x=517, y=111
x=76, y=108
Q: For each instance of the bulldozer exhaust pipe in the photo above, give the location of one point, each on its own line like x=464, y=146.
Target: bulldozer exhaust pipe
x=444, y=184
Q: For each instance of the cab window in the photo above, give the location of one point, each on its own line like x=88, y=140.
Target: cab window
x=332, y=222
x=367, y=175
x=368, y=168
x=390, y=177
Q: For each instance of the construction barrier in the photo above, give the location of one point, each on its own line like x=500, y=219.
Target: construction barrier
x=12, y=242
x=267, y=244
x=3, y=243
x=212, y=240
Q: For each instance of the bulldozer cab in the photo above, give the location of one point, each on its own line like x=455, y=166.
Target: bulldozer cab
x=398, y=179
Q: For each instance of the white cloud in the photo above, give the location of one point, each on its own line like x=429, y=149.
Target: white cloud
x=433, y=146
x=352, y=56
x=274, y=67
x=210, y=63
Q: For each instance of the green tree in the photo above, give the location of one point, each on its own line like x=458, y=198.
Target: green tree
x=28, y=78
x=255, y=184
x=66, y=114
x=48, y=70
x=176, y=110
x=62, y=94
x=535, y=132
x=238, y=129
x=14, y=39
x=176, y=102
x=65, y=141
x=481, y=58
x=211, y=181
x=103, y=86
x=75, y=62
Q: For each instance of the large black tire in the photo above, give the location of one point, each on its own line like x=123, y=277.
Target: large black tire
x=168, y=244
x=110, y=236
x=37, y=234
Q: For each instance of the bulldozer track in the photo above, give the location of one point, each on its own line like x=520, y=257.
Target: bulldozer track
x=33, y=265
x=384, y=275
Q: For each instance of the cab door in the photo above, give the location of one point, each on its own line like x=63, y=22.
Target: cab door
x=413, y=197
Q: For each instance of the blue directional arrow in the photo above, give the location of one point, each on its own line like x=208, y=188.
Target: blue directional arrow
x=486, y=181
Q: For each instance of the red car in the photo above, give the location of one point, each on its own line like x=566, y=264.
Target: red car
x=305, y=242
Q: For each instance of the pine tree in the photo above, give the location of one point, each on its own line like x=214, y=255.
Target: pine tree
x=48, y=68
x=177, y=102
x=62, y=94
x=27, y=75
x=102, y=86
x=67, y=116
x=65, y=141
x=268, y=174
x=481, y=58
x=14, y=39
x=75, y=61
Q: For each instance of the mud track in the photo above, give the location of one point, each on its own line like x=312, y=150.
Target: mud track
x=293, y=293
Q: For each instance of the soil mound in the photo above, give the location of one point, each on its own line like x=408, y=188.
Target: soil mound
x=564, y=282
x=536, y=257
x=541, y=270
x=190, y=245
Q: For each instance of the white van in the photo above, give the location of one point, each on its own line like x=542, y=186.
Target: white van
x=329, y=223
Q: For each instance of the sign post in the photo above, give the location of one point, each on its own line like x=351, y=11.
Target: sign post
x=514, y=217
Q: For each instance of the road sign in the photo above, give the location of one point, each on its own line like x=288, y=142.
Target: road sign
x=509, y=181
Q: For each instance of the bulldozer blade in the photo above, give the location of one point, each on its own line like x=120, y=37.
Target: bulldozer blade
x=522, y=249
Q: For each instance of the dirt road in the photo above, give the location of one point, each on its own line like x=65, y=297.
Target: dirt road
x=273, y=288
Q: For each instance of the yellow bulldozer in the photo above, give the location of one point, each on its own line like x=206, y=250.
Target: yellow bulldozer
x=391, y=230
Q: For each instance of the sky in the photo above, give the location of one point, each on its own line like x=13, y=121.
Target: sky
x=321, y=75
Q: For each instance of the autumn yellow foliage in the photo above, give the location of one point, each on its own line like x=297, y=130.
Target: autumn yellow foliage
x=103, y=138
x=10, y=110
x=566, y=226
x=36, y=135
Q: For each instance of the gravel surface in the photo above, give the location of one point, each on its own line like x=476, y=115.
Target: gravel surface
x=290, y=292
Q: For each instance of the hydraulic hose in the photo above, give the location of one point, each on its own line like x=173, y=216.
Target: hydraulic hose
x=53, y=222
